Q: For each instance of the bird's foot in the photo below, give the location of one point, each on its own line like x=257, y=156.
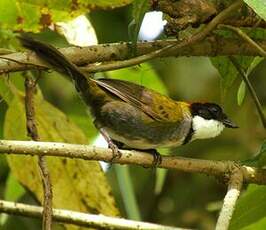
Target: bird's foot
x=116, y=153
x=157, y=158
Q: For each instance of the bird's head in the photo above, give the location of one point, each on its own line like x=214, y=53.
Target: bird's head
x=208, y=120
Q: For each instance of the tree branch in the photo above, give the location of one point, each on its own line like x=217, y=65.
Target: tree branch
x=30, y=88
x=209, y=167
x=233, y=192
x=165, y=50
x=211, y=46
x=79, y=218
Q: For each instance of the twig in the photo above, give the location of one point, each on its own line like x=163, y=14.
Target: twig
x=211, y=46
x=233, y=192
x=246, y=38
x=251, y=89
x=209, y=167
x=79, y=218
x=30, y=87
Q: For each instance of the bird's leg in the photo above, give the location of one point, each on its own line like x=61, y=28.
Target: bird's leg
x=120, y=145
x=116, y=153
x=157, y=158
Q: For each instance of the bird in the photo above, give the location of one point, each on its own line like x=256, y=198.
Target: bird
x=131, y=116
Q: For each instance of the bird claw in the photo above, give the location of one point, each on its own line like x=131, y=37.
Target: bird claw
x=115, y=151
x=157, y=158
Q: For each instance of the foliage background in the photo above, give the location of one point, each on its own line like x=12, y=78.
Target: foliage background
x=184, y=200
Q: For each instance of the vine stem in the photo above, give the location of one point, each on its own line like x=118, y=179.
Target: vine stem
x=30, y=87
x=254, y=96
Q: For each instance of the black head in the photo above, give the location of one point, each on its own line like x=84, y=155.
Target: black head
x=210, y=111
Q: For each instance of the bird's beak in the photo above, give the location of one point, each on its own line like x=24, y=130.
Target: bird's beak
x=229, y=124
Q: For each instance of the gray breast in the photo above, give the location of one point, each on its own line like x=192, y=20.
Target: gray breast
x=129, y=125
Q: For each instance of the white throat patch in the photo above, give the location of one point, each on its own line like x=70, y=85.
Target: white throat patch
x=204, y=128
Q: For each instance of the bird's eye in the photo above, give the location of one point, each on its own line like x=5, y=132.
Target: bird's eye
x=205, y=114
x=214, y=110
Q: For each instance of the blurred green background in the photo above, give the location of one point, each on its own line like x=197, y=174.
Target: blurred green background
x=183, y=200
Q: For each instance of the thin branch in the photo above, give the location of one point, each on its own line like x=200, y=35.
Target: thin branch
x=79, y=218
x=251, y=89
x=246, y=38
x=209, y=167
x=30, y=87
x=133, y=61
x=233, y=192
x=211, y=46
x=246, y=22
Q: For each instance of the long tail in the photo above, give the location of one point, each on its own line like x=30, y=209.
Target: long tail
x=90, y=92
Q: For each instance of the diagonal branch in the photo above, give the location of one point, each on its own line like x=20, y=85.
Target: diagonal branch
x=233, y=192
x=246, y=38
x=79, y=218
x=30, y=87
x=244, y=76
x=209, y=167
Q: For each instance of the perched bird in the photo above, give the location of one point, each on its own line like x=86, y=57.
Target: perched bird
x=132, y=116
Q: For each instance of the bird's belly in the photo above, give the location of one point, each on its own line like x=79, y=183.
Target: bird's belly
x=144, y=143
x=135, y=129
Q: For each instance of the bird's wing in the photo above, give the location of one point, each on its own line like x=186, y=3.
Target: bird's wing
x=152, y=103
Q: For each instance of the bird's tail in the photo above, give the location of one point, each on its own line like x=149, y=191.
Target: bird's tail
x=91, y=93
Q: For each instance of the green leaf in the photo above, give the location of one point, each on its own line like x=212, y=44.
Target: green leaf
x=224, y=66
x=241, y=93
x=242, y=88
x=262, y=155
x=14, y=189
x=253, y=64
x=259, y=225
x=127, y=191
x=85, y=124
x=140, y=7
x=33, y=16
x=227, y=70
x=160, y=174
x=73, y=180
x=259, y=6
x=160, y=179
x=251, y=207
